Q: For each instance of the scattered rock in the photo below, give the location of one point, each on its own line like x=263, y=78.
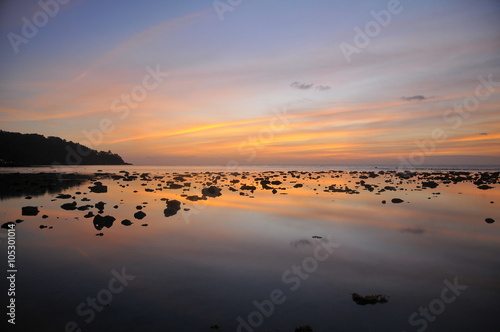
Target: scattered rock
x=45, y=216
x=30, y=210
x=139, y=215
x=212, y=191
x=100, y=222
x=489, y=220
x=126, y=222
x=172, y=207
x=484, y=187
x=63, y=196
x=98, y=188
x=69, y=206
x=397, y=200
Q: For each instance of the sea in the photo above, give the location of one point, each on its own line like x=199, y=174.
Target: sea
x=323, y=248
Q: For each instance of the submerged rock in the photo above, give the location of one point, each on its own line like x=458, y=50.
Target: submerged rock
x=397, y=200
x=30, y=210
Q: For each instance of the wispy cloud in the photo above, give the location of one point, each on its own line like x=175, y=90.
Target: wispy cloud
x=416, y=98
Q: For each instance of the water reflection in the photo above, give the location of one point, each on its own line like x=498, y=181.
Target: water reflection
x=205, y=261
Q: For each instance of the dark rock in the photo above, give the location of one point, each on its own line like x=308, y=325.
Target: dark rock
x=429, y=184
x=30, y=210
x=489, y=220
x=6, y=225
x=43, y=226
x=126, y=222
x=69, y=206
x=89, y=215
x=484, y=187
x=100, y=222
x=45, y=216
x=212, y=191
x=173, y=207
x=139, y=215
x=98, y=188
x=383, y=202
x=63, y=196
x=100, y=206
x=397, y=200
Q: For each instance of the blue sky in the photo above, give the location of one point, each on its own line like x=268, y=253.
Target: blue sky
x=228, y=78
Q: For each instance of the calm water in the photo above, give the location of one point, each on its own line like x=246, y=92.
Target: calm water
x=224, y=260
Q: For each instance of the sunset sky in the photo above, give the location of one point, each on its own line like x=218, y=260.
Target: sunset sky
x=258, y=82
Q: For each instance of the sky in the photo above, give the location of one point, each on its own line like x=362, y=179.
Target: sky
x=235, y=82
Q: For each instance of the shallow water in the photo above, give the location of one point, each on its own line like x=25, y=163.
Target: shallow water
x=217, y=261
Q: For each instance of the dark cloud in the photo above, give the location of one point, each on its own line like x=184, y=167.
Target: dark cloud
x=416, y=98
x=301, y=86
x=483, y=134
x=413, y=230
x=323, y=87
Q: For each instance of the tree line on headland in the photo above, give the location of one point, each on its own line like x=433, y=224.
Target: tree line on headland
x=18, y=149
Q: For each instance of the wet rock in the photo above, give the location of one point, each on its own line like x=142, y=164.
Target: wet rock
x=246, y=187
x=98, y=188
x=45, y=216
x=369, y=299
x=489, y=220
x=63, y=196
x=139, y=215
x=397, y=200
x=144, y=225
x=99, y=234
x=195, y=198
x=212, y=191
x=126, y=222
x=19, y=221
x=6, y=224
x=30, y=210
x=43, y=226
x=173, y=207
x=383, y=202
x=100, y=222
x=484, y=187
x=298, y=185
x=100, y=206
x=28, y=197
x=89, y=215
x=69, y=206
x=429, y=184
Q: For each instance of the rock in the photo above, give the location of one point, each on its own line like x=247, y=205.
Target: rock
x=45, y=216
x=144, y=225
x=298, y=185
x=172, y=207
x=397, y=200
x=383, y=202
x=126, y=222
x=429, y=184
x=100, y=206
x=89, y=215
x=212, y=191
x=100, y=222
x=63, y=196
x=489, y=220
x=139, y=215
x=98, y=188
x=484, y=187
x=30, y=210
x=6, y=225
x=369, y=299
x=99, y=234
x=28, y=197
x=69, y=206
